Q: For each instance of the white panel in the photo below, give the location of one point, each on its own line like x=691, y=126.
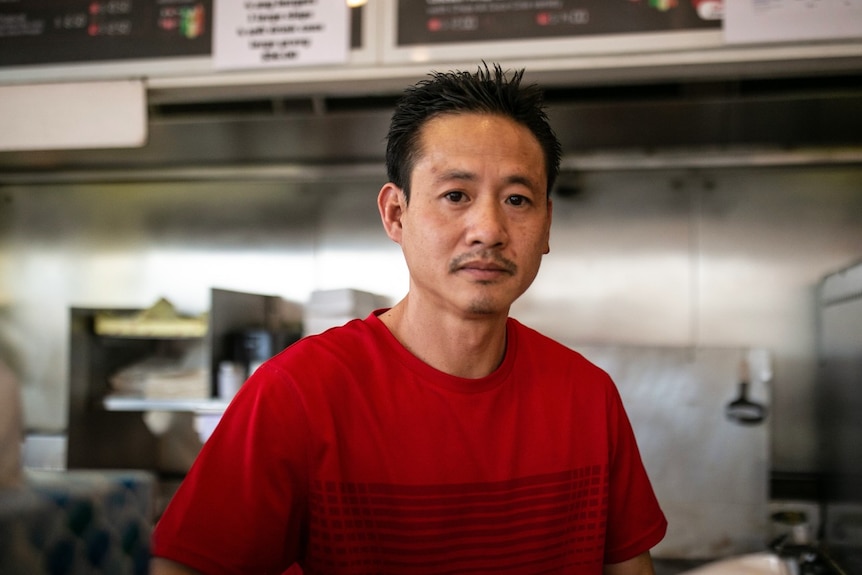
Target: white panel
x=780, y=21
x=73, y=116
x=710, y=473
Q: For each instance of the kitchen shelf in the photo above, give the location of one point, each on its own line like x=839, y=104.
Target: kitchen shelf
x=111, y=428
x=198, y=406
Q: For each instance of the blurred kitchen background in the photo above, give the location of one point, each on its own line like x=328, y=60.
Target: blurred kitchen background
x=706, y=243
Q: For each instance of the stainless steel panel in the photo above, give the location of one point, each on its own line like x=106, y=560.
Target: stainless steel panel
x=840, y=384
x=718, y=258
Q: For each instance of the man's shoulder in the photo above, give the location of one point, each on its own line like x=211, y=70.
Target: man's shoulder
x=353, y=333
x=551, y=350
x=350, y=341
x=321, y=360
x=528, y=336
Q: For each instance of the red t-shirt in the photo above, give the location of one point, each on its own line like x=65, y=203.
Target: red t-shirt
x=347, y=454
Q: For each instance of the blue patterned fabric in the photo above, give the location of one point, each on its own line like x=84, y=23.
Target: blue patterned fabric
x=77, y=523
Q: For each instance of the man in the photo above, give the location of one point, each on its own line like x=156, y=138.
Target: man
x=438, y=436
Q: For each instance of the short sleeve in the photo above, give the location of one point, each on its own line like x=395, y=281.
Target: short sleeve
x=240, y=508
x=636, y=522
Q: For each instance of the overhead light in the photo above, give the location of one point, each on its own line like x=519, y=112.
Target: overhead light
x=356, y=3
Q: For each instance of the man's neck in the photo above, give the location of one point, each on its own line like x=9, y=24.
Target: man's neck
x=469, y=347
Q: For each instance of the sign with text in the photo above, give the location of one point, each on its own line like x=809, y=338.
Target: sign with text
x=278, y=33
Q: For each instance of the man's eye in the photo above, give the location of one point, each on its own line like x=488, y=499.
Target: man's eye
x=455, y=196
x=517, y=200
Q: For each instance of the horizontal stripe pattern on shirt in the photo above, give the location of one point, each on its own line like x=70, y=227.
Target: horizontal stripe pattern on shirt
x=529, y=524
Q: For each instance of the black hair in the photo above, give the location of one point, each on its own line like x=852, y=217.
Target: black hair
x=486, y=92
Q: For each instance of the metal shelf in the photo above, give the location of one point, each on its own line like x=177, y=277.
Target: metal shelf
x=198, y=406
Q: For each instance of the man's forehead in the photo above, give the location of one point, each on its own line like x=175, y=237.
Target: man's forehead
x=434, y=125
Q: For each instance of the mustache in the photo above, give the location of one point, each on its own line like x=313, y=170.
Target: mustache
x=484, y=257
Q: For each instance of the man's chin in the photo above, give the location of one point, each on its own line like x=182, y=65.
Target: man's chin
x=486, y=308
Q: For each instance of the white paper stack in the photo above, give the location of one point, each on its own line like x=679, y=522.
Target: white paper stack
x=331, y=308
x=158, y=378
x=163, y=377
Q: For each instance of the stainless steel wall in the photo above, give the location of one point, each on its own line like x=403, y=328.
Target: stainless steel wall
x=679, y=258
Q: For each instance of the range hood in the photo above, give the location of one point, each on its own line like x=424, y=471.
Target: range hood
x=715, y=123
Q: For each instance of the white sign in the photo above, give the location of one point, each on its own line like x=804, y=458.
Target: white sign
x=73, y=116
x=754, y=21
x=278, y=33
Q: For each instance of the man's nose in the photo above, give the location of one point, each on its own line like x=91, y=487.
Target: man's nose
x=487, y=225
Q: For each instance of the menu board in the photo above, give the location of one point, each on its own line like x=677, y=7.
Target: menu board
x=61, y=31
x=429, y=22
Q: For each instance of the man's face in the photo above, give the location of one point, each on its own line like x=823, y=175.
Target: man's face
x=478, y=221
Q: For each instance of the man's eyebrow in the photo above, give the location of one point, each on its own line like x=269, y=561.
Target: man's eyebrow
x=525, y=181
x=449, y=175
x=466, y=176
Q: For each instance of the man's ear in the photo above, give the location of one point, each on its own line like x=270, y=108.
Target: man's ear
x=547, y=249
x=391, y=204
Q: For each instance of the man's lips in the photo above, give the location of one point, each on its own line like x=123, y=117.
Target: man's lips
x=482, y=267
